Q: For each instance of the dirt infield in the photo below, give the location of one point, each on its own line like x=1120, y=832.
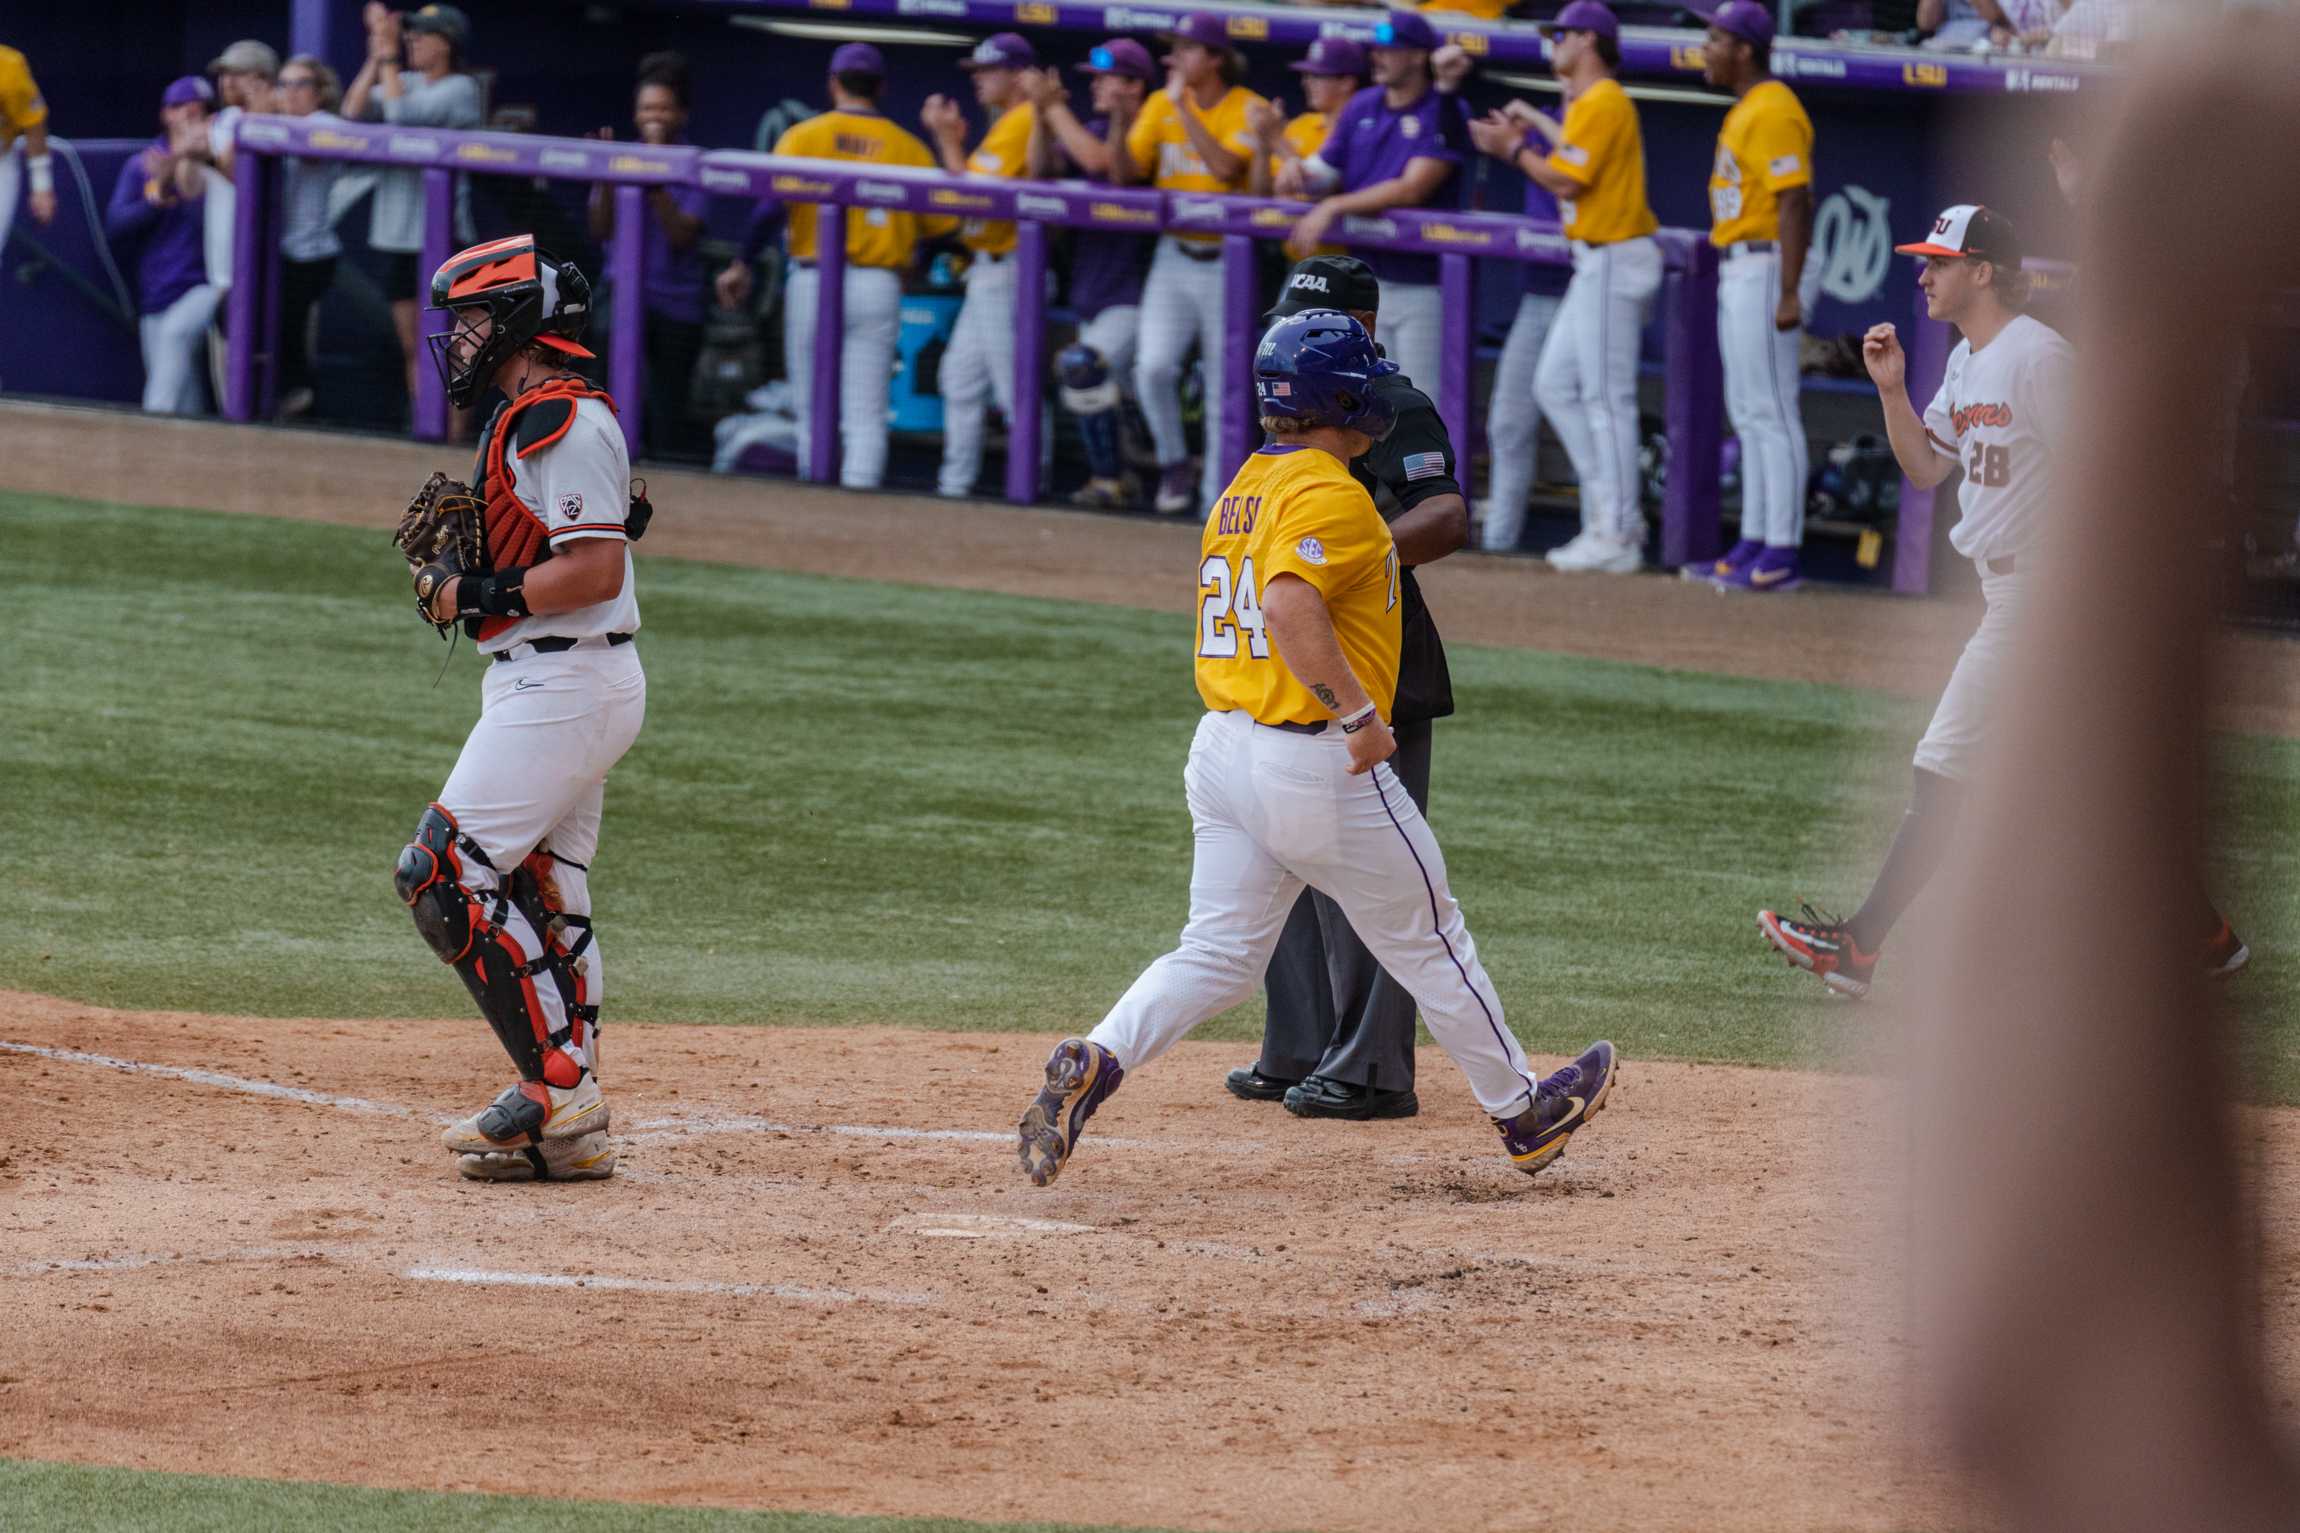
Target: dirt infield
x=232, y=1245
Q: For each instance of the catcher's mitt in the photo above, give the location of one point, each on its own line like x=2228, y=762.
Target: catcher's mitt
x=443, y=534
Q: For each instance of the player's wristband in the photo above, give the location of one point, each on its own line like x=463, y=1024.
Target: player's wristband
x=501, y=594
x=1360, y=719
x=43, y=172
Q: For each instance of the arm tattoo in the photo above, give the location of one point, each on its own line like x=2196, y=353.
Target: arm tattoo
x=1326, y=695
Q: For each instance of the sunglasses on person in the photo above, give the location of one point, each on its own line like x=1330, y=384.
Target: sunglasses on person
x=299, y=82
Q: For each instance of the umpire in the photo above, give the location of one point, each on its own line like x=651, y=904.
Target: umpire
x=1340, y=1038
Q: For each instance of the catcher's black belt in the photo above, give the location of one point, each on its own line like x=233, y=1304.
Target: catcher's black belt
x=551, y=646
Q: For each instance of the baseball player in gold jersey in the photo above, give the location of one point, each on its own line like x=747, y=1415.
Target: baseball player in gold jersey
x=23, y=115
x=1297, y=660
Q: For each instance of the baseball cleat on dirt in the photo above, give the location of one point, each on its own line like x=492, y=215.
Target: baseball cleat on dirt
x=1735, y=559
x=529, y=1113
x=1079, y=1074
x=1562, y=1103
x=2225, y=953
x=1820, y=945
x=586, y=1158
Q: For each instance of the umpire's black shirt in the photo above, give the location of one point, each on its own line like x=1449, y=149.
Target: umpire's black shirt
x=1413, y=463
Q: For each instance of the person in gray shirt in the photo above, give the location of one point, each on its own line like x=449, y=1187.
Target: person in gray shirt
x=432, y=91
x=308, y=245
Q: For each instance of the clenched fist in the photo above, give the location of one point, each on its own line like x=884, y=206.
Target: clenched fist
x=1881, y=351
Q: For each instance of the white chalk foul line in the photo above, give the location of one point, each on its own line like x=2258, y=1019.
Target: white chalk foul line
x=218, y=1079
x=488, y=1278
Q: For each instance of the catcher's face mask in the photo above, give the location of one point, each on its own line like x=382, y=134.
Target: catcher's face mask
x=501, y=297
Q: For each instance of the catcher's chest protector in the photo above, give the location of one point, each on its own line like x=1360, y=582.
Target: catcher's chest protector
x=516, y=536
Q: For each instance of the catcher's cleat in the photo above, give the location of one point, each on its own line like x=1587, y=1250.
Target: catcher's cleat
x=1820, y=944
x=1562, y=1103
x=1079, y=1074
x=585, y=1158
x=2225, y=953
x=531, y=1113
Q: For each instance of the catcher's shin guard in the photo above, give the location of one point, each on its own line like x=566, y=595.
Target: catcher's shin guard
x=486, y=939
x=1090, y=393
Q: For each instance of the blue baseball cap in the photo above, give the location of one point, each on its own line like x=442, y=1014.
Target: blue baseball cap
x=859, y=59
x=1121, y=56
x=1745, y=19
x=1406, y=29
x=1332, y=56
x=1585, y=16
x=1001, y=50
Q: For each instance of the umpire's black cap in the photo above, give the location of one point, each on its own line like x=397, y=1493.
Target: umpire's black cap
x=1327, y=282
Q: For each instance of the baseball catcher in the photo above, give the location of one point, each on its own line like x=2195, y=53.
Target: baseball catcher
x=532, y=560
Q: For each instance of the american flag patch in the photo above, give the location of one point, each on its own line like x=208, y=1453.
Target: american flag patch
x=1424, y=465
x=1281, y=389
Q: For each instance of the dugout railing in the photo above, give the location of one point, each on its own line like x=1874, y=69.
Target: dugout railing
x=1691, y=518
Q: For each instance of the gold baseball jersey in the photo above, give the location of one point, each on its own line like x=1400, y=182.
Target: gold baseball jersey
x=1160, y=147
x=875, y=236
x=1602, y=148
x=1306, y=134
x=1764, y=149
x=1483, y=10
x=21, y=108
x=1005, y=153
x=1294, y=511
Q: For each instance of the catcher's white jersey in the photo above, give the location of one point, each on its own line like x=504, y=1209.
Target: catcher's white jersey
x=580, y=486
x=2001, y=413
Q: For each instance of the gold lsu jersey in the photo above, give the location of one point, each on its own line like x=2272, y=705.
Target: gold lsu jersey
x=1764, y=149
x=1003, y=154
x=875, y=236
x=1294, y=511
x=21, y=108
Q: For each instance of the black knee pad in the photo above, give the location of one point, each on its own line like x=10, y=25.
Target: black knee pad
x=429, y=879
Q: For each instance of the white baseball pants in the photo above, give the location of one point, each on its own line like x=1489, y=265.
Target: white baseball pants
x=1113, y=333
x=1513, y=423
x=866, y=365
x=1953, y=739
x=1587, y=380
x=1181, y=308
x=1762, y=379
x=175, y=344
x=1408, y=330
x=534, y=773
x=1273, y=811
x=977, y=367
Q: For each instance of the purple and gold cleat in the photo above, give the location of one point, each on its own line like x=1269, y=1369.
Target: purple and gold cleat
x=1562, y=1103
x=1079, y=1074
x=1775, y=569
x=1738, y=558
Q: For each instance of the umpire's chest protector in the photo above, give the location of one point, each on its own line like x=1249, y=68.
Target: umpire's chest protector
x=516, y=536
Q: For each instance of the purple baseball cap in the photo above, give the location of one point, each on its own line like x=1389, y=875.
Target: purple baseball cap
x=858, y=58
x=1121, y=56
x=1001, y=50
x=1745, y=19
x=1585, y=16
x=1406, y=29
x=188, y=88
x=1205, y=29
x=1332, y=56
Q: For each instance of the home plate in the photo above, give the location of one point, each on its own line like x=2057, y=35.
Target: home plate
x=983, y=1226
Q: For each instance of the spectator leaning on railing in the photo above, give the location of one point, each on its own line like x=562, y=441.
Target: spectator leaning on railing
x=1399, y=143
x=1105, y=267
x=671, y=257
x=430, y=92
x=1332, y=72
x=308, y=244
x=157, y=203
x=1191, y=137
x=978, y=365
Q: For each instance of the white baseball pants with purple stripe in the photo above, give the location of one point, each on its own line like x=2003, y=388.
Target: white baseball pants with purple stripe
x=1587, y=380
x=866, y=365
x=977, y=367
x=1762, y=380
x=1181, y=308
x=1410, y=328
x=1273, y=811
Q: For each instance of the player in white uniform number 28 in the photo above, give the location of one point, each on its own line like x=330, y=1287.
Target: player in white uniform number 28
x=1288, y=779
x=2001, y=414
x=498, y=875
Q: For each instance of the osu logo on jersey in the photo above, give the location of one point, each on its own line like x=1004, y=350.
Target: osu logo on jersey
x=1999, y=416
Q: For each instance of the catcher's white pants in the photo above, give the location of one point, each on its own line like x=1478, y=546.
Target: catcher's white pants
x=1182, y=308
x=1762, y=380
x=1410, y=334
x=533, y=773
x=866, y=365
x=1953, y=739
x=175, y=344
x=1513, y=422
x=977, y=367
x=1587, y=379
x=1274, y=810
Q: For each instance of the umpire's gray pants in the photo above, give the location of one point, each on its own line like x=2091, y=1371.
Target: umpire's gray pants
x=1333, y=1011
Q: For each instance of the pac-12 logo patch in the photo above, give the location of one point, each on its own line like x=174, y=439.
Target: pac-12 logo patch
x=571, y=507
x=1311, y=550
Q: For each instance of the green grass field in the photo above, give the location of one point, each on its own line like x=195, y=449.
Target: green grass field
x=858, y=803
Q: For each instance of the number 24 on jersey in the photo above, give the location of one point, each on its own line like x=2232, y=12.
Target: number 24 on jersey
x=1229, y=604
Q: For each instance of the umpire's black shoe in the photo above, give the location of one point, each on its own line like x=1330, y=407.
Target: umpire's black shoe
x=1254, y=1086
x=1323, y=1097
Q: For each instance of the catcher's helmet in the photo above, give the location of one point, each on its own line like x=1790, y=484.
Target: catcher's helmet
x=1318, y=367
x=527, y=296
